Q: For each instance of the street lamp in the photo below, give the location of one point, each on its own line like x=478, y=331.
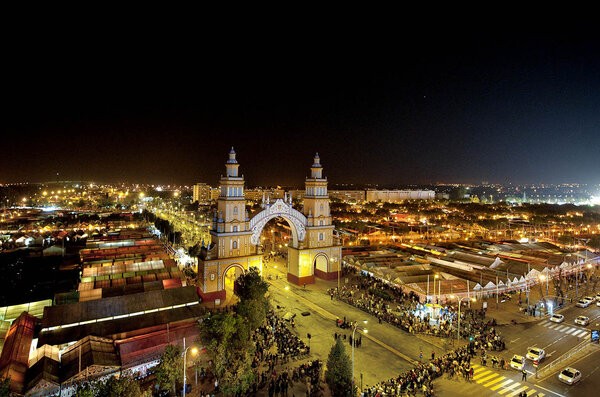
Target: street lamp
x=460, y=300
x=542, y=278
x=185, y=349
x=339, y=270
x=355, y=326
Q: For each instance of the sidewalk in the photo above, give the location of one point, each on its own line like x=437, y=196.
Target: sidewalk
x=508, y=311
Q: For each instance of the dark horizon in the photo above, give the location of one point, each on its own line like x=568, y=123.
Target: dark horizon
x=516, y=108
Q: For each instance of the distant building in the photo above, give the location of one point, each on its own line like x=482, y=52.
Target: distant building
x=297, y=194
x=392, y=196
x=201, y=193
x=215, y=192
x=356, y=196
x=256, y=195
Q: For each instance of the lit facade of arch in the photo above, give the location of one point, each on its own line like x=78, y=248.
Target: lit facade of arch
x=235, y=239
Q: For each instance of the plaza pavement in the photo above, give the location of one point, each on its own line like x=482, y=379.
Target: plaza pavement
x=314, y=297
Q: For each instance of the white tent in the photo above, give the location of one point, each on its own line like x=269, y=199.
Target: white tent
x=533, y=274
x=490, y=285
x=497, y=262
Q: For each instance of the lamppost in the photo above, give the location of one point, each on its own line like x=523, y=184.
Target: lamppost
x=460, y=300
x=542, y=278
x=185, y=349
x=355, y=326
x=339, y=271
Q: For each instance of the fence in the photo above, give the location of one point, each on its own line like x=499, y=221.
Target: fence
x=581, y=347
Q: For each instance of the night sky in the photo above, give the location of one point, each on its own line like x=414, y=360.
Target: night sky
x=401, y=109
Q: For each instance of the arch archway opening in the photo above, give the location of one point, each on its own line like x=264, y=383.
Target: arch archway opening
x=295, y=220
x=230, y=275
x=276, y=237
x=321, y=265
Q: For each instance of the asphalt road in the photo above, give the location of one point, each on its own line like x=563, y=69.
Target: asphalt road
x=387, y=351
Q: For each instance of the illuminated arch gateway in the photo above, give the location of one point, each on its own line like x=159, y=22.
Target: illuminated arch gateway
x=312, y=252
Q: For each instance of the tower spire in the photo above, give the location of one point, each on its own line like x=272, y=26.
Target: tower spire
x=231, y=166
x=316, y=170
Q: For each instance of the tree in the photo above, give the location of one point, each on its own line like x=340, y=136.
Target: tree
x=170, y=368
x=338, y=375
x=251, y=286
x=227, y=337
x=5, y=387
x=122, y=387
x=194, y=251
x=86, y=389
x=253, y=305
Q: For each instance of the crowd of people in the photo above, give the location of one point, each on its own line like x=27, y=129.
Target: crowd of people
x=276, y=345
x=456, y=363
x=390, y=303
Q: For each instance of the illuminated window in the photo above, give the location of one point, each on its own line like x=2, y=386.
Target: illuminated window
x=235, y=229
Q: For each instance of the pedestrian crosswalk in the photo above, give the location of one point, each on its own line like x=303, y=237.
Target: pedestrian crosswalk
x=567, y=329
x=502, y=384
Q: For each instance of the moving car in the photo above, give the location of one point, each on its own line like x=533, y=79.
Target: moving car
x=557, y=318
x=569, y=375
x=535, y=354
x=517, y=362
x=589, y=298
x=582, y=303
x=582, y=320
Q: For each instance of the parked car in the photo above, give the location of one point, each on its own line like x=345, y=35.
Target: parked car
x=582, y=320
x=582, y=303
x=598, y=296
x=569, y=376
x=557, y=318
x=535, y=354
x=589, y=298
x=517, y=362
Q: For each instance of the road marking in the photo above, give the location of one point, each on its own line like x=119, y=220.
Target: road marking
x=549, y=354
x=480, y=374
x=494, y=388
x=533, y=391
x=514, y=393
x=513, y=341
x=560, y=328
x=494, y=381
x=493, y=375
x=550, y=391
x=552, y=326
x=509, y=388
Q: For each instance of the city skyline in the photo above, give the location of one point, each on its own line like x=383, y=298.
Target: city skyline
x=516, y=108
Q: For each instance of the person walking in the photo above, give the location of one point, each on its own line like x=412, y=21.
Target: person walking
x=524, y=378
